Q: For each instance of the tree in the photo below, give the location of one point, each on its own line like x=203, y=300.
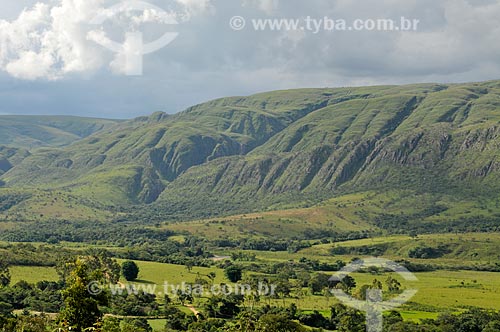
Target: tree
x=352, y=321
x=130, y=270
x=315, y=319
x=111, y=324
x=413, y=234
x=95, y=259
x=32, y=324
x=100, y=259
x=5, y=308
x=376, y=284
x=176, y=319
x=365, y=289
x=392, y=318
x=233, y=273
x=83, y=293
x=278, y=323
x=393, y=285
x=81, y=298
x=283, y=287
x=212, y=277
x=4, y=274
x=318, y=282
x=213, y=324
x=492, y=327
x=348, y=284
x=135, y=325
x=224, y=306
x=183, y=296
x=344, y=319
x=189, y=266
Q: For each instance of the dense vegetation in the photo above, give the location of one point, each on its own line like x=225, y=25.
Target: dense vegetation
x=82, y=308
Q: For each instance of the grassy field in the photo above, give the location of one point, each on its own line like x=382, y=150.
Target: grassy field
x=469, y=249
x=150, y=273
x=347, y=213
x=417, y=316
x=43, y=205
x=32, y=274
x=450, y=290
x=461, y=249
x=159, y=273
x=441, y=290
x=283, y=223
x=157, y=324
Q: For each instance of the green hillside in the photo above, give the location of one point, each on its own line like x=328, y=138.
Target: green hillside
x=30, y=132
x=135, y=161
x=430, y=139
x=436, y=143
x=10, y=157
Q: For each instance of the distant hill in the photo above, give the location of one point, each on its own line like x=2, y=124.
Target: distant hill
x=10, y=157
x=30, y=132
x=284, y=148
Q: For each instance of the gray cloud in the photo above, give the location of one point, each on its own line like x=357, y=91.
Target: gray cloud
x=457, y=41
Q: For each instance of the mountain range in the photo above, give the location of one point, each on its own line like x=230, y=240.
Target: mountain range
x=270, y=150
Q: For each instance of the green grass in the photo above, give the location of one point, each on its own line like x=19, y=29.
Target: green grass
x=464, y=249
x=440, y=289
x=157, y=324
x=35, y=131
x=281, y=224
x=159, y=273
x=32, y=274
x=43, y=205
x=343, y=214
x=417, y=316
x=150, y=273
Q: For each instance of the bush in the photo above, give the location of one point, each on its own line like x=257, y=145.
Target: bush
x=233, y=273
x=130, y=270
x=428, y=252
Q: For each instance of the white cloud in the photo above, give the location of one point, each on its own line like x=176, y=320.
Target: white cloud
x=197, y=7
x=48, y=42
x=31, y=66
x=51, y=41
x=467, y=41
x=155, y=16
x=267, y=6
x=457, y=40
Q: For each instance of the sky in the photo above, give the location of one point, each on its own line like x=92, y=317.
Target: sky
x=55, y=57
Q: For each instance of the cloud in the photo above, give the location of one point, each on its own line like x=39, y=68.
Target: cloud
x=53, y=41
x=267, y=6
x=457, y=41
x=467, y=41
x=197, y=7
x=48, y=42
x=31, y=66
x=154, y=16
x=56, y=41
